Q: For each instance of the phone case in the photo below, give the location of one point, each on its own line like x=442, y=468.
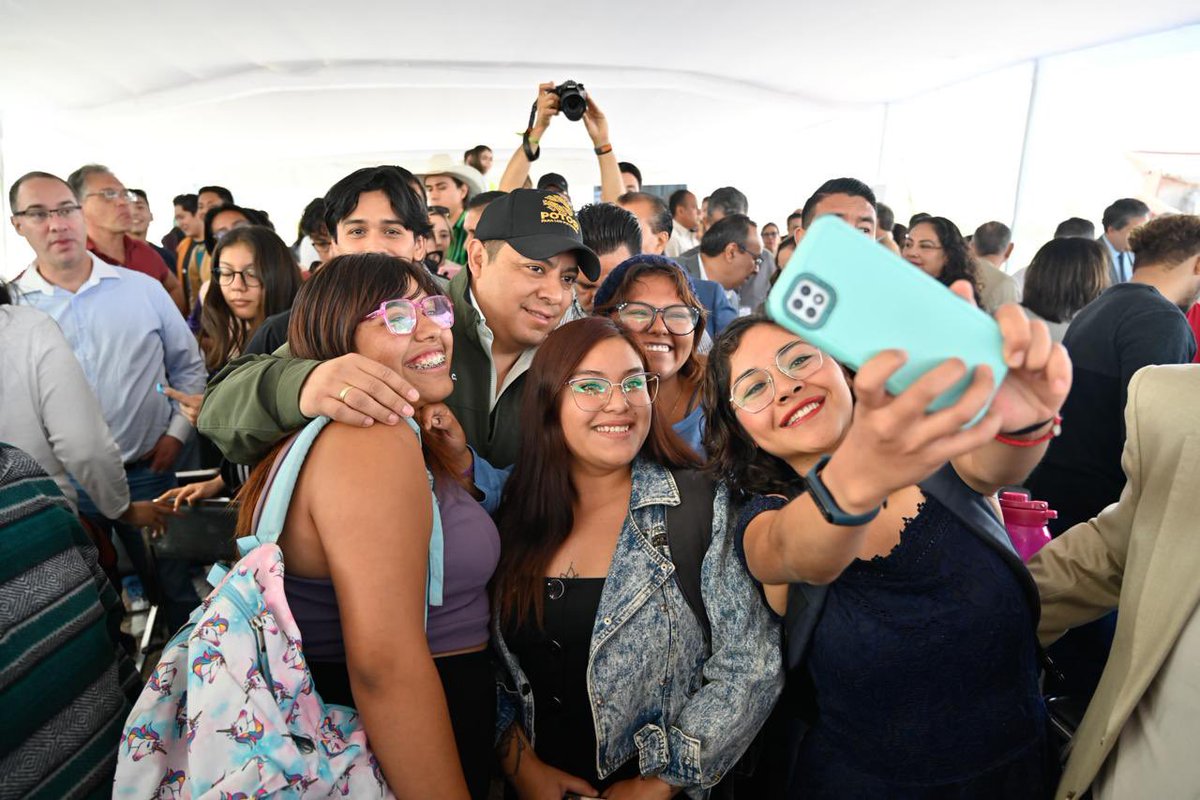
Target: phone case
x=852, y=298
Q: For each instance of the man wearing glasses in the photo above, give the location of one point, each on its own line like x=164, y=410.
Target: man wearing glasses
x=731, y=252
x=128, y=337
x=108, y=212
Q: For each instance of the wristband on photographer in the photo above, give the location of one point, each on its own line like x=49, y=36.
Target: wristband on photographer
x=603, y=150
x=825, y=503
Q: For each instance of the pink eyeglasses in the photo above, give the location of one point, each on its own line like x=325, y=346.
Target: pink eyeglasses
x=400, y=315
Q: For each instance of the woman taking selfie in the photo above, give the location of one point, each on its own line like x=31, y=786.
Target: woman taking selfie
x=910, y=618
x=654, y=299
x=594, y=627
x=356, y=540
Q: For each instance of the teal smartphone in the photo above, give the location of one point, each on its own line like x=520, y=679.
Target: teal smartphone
x=852, y=298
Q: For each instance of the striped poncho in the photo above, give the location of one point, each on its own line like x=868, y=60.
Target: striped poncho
x=66, y=684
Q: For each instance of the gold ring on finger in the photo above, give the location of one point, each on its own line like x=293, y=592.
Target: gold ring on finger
x=342, y=393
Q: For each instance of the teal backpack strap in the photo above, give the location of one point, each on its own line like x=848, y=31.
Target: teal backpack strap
x=276, y=497
x=435, y=580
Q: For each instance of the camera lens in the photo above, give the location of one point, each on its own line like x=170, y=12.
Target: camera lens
x=812, y=312
x=798, y=304
x=806, y=290
x=819, y=300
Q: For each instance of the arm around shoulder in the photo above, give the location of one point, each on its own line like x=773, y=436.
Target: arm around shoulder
x=253, y=403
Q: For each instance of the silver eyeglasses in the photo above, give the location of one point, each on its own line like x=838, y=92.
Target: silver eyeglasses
x=755, y=388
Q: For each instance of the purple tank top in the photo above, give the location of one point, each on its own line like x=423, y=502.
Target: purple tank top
x=472, y=553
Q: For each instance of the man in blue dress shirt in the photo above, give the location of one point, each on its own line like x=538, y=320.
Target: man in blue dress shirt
x=1119, y=221
x=128, y=337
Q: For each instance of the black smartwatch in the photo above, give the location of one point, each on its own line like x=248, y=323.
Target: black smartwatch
x=825, y=503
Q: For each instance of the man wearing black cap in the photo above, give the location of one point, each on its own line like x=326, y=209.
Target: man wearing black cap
x=521, y=270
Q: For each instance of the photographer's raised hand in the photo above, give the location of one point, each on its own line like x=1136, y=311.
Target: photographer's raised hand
x=545, y=107
x=610, y=169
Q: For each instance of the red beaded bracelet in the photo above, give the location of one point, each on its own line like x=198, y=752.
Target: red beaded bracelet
x=1055, y=430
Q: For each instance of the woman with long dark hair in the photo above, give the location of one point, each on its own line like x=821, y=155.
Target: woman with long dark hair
x=1063, y=277
x=257, y=278
x=911, y=621
x=357, y=539
x=633, y=697
x=937, y=247
x=654, y=298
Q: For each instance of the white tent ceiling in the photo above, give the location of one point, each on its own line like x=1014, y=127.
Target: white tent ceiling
x=83, y=55
x=278, y=99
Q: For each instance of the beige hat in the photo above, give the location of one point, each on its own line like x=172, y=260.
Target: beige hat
x=444, y=164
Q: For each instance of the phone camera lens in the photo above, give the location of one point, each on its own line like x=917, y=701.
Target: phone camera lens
x=819, y=300
x=805, y=291
x=798, y=304
x=812, y=312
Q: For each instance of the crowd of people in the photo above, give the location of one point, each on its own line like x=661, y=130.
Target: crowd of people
x=562, y=512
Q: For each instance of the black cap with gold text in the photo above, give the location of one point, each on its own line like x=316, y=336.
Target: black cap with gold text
x=538, y=225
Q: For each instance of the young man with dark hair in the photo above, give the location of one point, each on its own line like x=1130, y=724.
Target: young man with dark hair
x=631, y=177
x=1075, y=227
x=685, y=221
x=451, y=186
x=142, y=216
x=613, y=234
x=108, y=214
x=191, y=224
x=849, y=199
x=207, y=198
x=991, y=245
x=521, y=269
x=652, y=215
x=371, y=210
x=1119, y=221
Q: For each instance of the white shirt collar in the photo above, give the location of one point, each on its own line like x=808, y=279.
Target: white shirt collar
x=32, y=280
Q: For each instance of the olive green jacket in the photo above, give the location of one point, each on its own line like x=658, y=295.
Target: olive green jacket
x=255, y=400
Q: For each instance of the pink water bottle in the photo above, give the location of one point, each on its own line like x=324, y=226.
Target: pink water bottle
x=1025, y=520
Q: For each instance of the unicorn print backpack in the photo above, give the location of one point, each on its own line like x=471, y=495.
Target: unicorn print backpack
x=230, y=712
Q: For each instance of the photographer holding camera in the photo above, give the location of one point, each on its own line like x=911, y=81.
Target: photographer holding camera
x=568, y=99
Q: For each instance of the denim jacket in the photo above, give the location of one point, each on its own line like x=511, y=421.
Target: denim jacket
x=657, y=690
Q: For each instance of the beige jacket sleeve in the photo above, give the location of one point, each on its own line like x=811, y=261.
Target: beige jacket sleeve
x=1079, y=574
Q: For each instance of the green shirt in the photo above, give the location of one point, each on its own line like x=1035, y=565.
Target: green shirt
x=457, y=251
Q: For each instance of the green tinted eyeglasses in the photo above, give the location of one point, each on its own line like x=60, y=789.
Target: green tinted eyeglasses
x=755, y=389
x=593, y=393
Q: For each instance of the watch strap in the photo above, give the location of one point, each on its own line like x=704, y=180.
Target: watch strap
x=825, y=503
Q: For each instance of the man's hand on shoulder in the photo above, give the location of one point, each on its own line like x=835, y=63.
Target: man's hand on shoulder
x=355, y=390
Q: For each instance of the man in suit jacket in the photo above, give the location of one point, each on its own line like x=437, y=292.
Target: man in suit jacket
x=1139, y=556
x=1119, y=221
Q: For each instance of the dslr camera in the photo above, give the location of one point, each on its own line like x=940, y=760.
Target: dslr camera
x=572, y=100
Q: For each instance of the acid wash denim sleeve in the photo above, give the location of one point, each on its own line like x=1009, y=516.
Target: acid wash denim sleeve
x=742, y=676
